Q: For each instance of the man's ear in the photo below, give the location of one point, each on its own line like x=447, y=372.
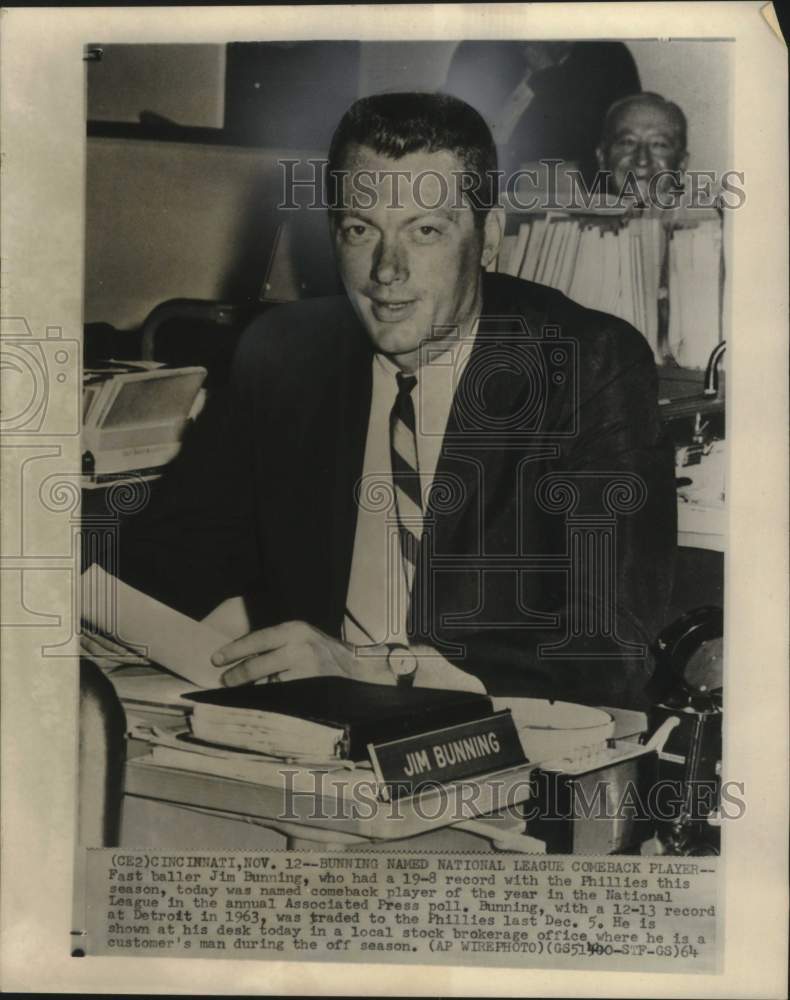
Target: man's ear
x=600, y=158
x=683, y=161
x=493, y=232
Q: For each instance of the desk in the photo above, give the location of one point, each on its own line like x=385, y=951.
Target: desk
x=702, y=527
x=702, y=523
x=166, y=806
x=158, y=800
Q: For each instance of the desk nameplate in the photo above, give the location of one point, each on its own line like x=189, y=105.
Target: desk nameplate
x=445, y=755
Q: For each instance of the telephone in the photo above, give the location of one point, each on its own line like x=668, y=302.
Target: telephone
x=688, y=685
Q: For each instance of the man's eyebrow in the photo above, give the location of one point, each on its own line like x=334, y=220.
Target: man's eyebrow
x=428, y=213
x=362, y=215
x=661, y=129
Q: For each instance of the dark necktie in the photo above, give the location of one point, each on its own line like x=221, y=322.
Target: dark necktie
x=405, y=474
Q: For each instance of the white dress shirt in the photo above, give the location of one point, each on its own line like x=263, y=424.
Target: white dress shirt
x=376, y=602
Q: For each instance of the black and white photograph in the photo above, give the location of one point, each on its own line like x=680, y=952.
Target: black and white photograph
x=377, y=499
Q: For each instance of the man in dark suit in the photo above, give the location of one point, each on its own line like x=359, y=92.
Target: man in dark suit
x=543, y=100
x=443, y=477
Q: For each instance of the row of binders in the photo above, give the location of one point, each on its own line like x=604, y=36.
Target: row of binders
x=694, y=289
x=627, y=268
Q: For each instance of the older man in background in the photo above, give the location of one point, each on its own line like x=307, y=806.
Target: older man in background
x=644, y=147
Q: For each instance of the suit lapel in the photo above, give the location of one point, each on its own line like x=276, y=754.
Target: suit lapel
x=474, y=473
x=490, y=389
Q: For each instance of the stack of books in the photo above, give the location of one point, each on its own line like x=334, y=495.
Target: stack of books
x=254, y=727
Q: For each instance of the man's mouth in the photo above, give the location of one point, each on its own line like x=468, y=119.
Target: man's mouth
x=389, y=311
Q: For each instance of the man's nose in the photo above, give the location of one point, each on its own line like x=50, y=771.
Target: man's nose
x=642, y=153
x=389, y=263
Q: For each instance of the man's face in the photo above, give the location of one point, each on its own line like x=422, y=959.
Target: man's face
x=410, y=269
x=643, y=141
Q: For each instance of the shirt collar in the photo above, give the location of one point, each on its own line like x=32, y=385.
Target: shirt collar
x=456, y=354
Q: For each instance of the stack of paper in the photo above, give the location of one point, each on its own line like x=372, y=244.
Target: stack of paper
x=694, y=296
x=615, y=267
x=152, y=698
x=156, y=631
x=334, y=779
x=266, y=732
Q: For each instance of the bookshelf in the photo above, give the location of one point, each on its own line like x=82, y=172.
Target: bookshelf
x=662, y=272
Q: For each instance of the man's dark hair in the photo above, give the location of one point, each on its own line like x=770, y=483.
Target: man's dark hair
x=672, y=110
x=395, y=125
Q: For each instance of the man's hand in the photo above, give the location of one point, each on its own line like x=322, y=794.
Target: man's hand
x=295, y=650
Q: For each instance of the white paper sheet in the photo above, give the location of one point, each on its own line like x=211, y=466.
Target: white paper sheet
x=169, y=638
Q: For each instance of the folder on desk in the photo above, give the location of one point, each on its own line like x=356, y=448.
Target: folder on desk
x=325, y=717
